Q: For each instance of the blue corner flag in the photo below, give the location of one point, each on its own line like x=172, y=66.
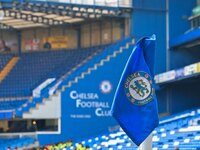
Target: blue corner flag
x=135, y=104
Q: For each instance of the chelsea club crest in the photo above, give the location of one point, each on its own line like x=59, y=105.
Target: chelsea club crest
x=138, y=88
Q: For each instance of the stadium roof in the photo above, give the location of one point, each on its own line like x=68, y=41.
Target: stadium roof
x=19, y=14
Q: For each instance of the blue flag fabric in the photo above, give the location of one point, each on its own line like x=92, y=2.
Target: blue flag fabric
x=135, y=104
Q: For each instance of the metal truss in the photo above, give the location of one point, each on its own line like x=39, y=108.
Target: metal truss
x=76, y=10
x=4, y=26
x=69, y=9
x=56, y=13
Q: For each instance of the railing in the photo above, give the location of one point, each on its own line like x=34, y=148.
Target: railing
x=110, y=3
x=16, y=138
x=195, y=21
x=19, y=135
x=186, y=72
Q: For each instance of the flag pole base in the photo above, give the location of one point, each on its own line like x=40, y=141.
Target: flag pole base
x=147, y=144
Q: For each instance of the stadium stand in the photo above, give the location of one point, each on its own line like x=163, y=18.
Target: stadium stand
x=31, y=70
x=34, y=68
x=75, y=72
x=179, y=130
x=11, y=104
x=16, y=142
x=4, y=59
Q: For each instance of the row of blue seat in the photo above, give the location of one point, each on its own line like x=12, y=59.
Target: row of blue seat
x=4, y=59
x=34, y=68
x=11, y=104
x=167, y=136
x=15, y=142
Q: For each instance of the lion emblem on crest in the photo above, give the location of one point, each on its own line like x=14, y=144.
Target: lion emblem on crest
x=138, y=88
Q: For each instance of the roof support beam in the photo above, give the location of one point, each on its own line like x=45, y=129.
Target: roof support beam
x=72, y=10
x=4, y=26
x=33, y=18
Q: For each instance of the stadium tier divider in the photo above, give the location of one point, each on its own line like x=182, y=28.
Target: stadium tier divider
x=4, y=59
x=71, y=74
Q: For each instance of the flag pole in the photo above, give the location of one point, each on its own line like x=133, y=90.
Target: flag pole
x=147, y=144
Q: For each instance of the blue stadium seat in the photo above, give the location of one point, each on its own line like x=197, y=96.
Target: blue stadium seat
x=163, y=137
x=4, y=59
x=34, y=68
x=11, y=104
x=15, y=142
x=69, y=62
